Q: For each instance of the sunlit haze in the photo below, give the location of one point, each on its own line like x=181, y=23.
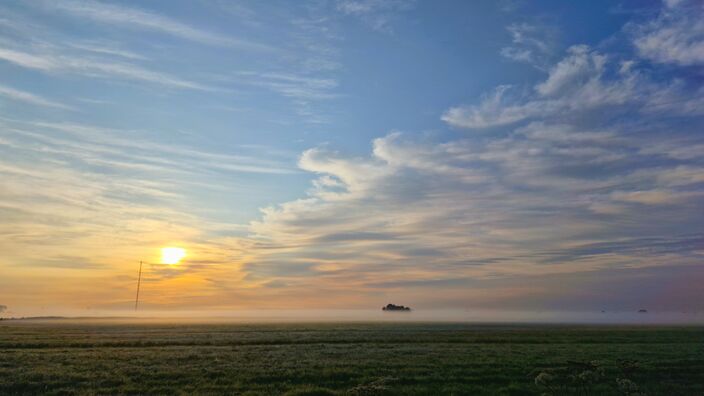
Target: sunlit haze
x=172, y=255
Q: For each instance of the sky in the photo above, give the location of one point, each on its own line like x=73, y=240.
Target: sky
x=509, y=156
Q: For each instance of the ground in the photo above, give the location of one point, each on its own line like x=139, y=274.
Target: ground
x=81, y=357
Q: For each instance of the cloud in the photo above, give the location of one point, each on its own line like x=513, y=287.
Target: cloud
x=304, y=73
x=48, y=62
x=654, y=197
x=69, y=186
x=592, y=172
x=26, y=97
x=378, y=14
x=140, y=19
x=413, y=212
x=589, y=173
x=64, y=262
x=676, y=36
x=40, y=48
x=299, y=87
x=532, y=44
x=493, y=110
x=27, y=60
x=107, y=48
x=577, y=68
x=582, y=82
x=102, y=144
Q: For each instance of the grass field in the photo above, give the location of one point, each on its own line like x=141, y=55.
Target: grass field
x=57, y=357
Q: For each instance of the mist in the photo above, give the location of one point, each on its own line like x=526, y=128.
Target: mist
x=368, y=315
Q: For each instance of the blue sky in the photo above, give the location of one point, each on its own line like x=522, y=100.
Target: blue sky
x=347, y=153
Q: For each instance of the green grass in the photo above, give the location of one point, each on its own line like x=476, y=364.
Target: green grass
x=338, y=359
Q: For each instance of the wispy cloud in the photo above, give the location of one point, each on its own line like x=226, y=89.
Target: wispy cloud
x=27, y=97
x=378, y=14
x=293, y=86
x=50, y=62
x=584, y=80
x=67, y=186
x=532, y=44
x=141, y=19
x=27, y=60
x=108, y=49
x=94, y=141
x=676, y=36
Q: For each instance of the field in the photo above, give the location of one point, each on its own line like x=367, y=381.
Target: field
x=60, y=357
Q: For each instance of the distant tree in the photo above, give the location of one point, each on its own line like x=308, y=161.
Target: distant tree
x=394, y=307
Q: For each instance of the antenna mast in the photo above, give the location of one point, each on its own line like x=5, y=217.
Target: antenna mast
x=139, y=280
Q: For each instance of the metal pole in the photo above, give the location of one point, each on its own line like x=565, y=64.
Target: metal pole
x=139, y=280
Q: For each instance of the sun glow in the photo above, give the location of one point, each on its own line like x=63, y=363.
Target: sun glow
x=172, y=255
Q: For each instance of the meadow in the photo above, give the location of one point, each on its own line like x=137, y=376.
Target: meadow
x=105, y=357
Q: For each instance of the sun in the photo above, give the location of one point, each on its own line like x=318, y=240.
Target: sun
x=172, y=255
